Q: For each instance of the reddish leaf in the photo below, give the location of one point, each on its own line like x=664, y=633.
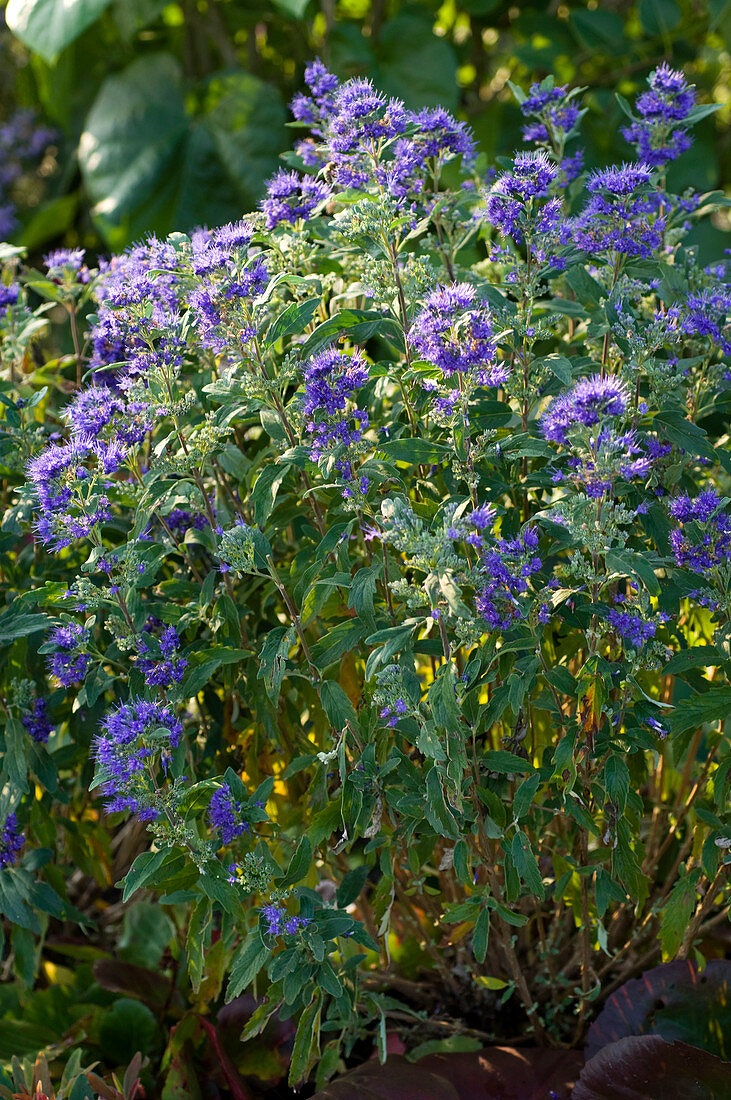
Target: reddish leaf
x=181, y=1078
x=239, y=1089
x=149, y=986
x=674, y=1001
x=496, y=1073
x=646, y=1067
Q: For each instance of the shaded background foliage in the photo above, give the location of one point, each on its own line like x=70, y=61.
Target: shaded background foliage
x=173, y=114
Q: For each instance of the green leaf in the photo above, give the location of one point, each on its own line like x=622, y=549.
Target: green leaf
x=586, y=288
x=298, y=866
x=273, y=659
x=352, y=884
x=358, y=324
x=598, y=29
x=336, y=643
x=506, y=763
x=425, y=74
x=430, y=743
x=149, y=165
x=659, y=17
x=558, y=365
x=442, y=699
x=676, y=914
x=146, y=932
x=416, y=451
x=47, y=26
x=248, y=961
x=481, y=934
x=362, y=594
x=526, y=864
x=15, y=625
x=144, y=869
x=699, y=656
x=437, y=811
x=125, y=1028
x=616, y=780
x=265, y=490
x=338, y=707
x=306, y=1041
x=684, y=434
x=294, y=318
x=693, y=712
x=198, y=675
x=50, y=220
x=524, y=795
x=133, y=137
x=635, y=565
x=295, y=8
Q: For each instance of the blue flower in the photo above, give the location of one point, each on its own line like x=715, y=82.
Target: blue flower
x=454, y=331
x=290, y=197
x=586, y=403
x=11, y=841
x=224, y=813
x=37, y=722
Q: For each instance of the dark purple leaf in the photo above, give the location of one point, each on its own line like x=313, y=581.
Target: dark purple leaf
x=675, y=1001
x=238, y=1087
x=646, y=1067
x=495, y=1073
x=149, y=986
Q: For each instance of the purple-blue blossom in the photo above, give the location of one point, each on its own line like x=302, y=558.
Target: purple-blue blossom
x=331, y=379
x=507, y=565
x=702, y=547
x=225, y=813
x=510, y=202
x=658, y=135
x=586, y=403
x=125, y=750
x=11, y=841
x=37, y=722
x=454, y=331
x=70, y=664
x=631, y=627
x=8, y=294
x=291, y=197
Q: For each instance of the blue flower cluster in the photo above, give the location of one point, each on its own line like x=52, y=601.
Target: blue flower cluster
x=70, y=664
x=167, y=669
x=22, y=144
x=291, y=197
x=703, y=540
x=658, y=134
x=369, y=139
x=11, y=841
x=278, y=921
x=37, y=722
x=507, y=565
x=331, y=379
x=133, y=737
x=624, y=215
x=225, y=813
x=631, y=627
x=586, y=404
x=511, y=204
x=454, y=331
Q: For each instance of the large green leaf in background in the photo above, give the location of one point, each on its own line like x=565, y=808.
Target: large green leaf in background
x=48, y=26
x=152, y=164
x=408, y=60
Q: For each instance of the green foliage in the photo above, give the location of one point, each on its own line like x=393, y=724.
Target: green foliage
x=397, y=740
x=175, y=109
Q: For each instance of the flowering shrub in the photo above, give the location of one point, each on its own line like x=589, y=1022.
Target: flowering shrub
x=382, y=559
